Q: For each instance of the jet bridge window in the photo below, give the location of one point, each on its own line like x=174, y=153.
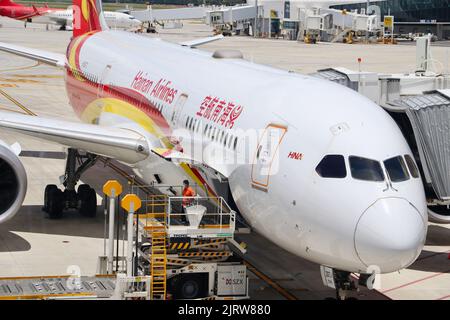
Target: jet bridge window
x=366, y=169
x=332, y=166
x=396, y=169
x=412, y=166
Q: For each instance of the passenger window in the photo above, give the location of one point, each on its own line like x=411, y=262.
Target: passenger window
x=412, y=166
x=332, y=166
x=366, y=169
x=396, y=169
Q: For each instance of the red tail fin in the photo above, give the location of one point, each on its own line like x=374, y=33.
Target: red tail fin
x=9, y=3
x=87, y=16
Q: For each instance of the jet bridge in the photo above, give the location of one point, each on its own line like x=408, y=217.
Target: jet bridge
x=237, y=18
x=430, y=119
x=150, y=16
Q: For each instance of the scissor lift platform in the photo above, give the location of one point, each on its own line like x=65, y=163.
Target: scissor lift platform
x=188, y=241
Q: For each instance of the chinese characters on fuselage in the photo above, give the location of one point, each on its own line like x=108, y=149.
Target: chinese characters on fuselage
x=222, y=112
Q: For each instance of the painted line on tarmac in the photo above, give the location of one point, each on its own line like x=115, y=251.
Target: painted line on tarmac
x=417, y=281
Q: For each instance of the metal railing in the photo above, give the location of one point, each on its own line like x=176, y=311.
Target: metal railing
x=197, y=212
x=211, y=214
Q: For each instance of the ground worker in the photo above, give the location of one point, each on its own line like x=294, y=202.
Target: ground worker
x=188, y=194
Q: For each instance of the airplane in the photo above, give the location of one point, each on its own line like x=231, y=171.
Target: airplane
x=62, y=17
x=318, y=169
x=17, y=11
x=115, y=20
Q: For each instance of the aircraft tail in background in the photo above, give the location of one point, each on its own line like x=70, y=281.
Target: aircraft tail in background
x=9, y=3
x=87, y=17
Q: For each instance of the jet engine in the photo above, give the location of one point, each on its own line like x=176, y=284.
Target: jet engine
x=13, y=181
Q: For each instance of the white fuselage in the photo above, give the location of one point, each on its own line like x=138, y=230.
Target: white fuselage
x=346, y=223
x=115, y=20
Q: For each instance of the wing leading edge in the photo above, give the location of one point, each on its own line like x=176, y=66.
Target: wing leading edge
x=123, y=144
x=53, y=59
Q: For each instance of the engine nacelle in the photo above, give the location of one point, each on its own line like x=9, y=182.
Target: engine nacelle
x=13, y=181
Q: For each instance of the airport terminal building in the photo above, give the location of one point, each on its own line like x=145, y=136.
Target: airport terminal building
x=426, y=16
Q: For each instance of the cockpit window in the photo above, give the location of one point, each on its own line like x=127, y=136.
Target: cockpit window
x=332, y=166
x=366, y=169
x=396, y=169
x=412, y=166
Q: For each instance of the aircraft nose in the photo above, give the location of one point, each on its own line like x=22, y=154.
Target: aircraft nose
x=390, y=235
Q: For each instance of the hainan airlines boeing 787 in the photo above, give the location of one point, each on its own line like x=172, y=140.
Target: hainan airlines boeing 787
x=315, y=167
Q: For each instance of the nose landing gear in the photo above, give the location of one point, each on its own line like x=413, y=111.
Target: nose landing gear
x=343, y=282
x=84, y=199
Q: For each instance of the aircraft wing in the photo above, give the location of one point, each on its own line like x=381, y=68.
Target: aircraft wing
x=59, y=60
x=198, y=42
x=53, y=59
x=123, y=144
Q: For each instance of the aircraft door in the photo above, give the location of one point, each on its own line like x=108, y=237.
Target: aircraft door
x=103, y=81
x=178, y=108
x=266, y=158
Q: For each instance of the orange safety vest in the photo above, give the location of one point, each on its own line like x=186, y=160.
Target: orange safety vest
x=188, y=192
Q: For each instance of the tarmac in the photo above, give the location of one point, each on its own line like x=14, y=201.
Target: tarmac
x=33, y=245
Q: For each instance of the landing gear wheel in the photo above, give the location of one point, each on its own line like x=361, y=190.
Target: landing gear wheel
x=83, y=189
x=367, y=280
x=85, y=200
x=55, y=203
x=46, y=192
x=88, y=198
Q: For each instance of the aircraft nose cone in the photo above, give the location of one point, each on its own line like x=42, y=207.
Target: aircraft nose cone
x=390, y=235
